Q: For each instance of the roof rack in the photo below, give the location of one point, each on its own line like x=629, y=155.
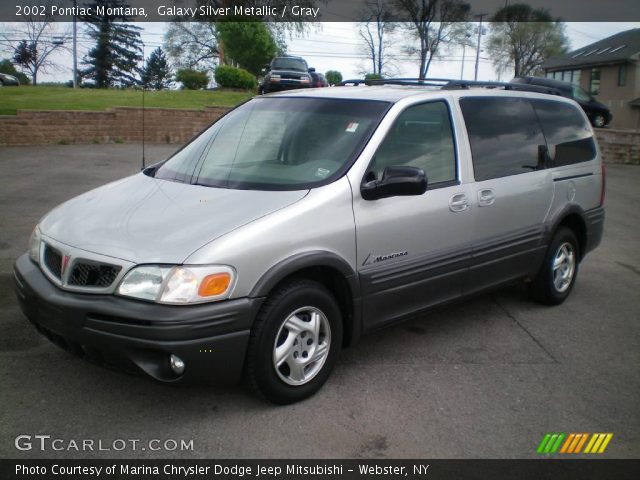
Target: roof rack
x=450, y=84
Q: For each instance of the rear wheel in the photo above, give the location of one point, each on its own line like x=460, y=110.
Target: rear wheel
x=295, y=342
x=558, y=274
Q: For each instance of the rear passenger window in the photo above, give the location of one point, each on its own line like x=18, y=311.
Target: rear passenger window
x=567, y=133
x=420, y=137
x=504, y=134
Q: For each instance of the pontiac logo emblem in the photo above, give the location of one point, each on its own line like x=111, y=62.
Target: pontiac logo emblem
x=65, y=264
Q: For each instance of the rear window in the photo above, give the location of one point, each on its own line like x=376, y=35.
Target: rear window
x=567, y=133
x=504, y=134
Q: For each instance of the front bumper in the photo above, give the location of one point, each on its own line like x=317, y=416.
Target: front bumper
x=284, y=85
x=138, y=336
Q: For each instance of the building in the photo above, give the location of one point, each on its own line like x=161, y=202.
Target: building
x=608, y=69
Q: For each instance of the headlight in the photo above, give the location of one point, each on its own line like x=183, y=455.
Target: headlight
x=179, y=285
x=34, y=245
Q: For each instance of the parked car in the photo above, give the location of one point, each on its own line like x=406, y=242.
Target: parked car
x=285, y=73
x=300, y=221
x=318, y=80
x=598, y=113
x=7, y=80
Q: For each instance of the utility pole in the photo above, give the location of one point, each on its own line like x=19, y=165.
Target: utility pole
x=479, y=15
x=75, y=45
x=464, y=48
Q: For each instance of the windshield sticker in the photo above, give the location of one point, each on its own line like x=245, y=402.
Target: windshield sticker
x=352, y=127
x=322, y=172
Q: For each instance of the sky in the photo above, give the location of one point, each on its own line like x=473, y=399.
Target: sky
x=337, y=46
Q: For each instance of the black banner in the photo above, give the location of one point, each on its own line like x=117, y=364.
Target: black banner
x=320, y=469
x=292, y=10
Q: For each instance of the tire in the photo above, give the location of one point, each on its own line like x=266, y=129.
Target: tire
x=598, y=120
x=558, y=274
x=280, y=363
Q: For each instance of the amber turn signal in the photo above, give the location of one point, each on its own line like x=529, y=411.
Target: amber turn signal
x=215, y=284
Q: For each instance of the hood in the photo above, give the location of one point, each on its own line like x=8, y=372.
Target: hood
x=599, y=105
x=144, y=220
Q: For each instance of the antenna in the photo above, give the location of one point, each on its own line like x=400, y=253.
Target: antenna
x=144, y=87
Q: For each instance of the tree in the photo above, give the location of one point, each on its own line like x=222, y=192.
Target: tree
x=523, y=38
x=375, y=33
x=434, y=23
x=249, y=44
x=7, y=67
x=333, y=77
x=32, y=44
x=114, y=59
x=286, y=20
x=192, y=79
x=192, y=45
x=157, y=73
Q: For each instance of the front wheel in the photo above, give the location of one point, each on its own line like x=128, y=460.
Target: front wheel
x=295, y=342
x=598, y=120
x=555, y=280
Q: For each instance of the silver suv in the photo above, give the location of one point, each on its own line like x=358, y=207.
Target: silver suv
x=300, y=221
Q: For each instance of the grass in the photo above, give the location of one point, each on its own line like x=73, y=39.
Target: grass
x=64, y=98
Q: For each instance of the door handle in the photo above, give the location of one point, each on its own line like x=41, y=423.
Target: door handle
x=486, y=197
x=458, y=203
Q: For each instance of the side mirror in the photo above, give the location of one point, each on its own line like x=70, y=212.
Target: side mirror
x=267, y=67
x=312, y=70
x=396, y=181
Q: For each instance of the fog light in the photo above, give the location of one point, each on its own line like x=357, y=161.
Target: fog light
x=177, y=365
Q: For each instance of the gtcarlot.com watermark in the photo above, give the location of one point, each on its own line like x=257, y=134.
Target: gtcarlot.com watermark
x=49, y=443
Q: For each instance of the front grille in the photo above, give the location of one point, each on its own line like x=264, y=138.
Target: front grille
x=53, y=261
x=93, y=274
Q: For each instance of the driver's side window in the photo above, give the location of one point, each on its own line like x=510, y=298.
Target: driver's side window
x=420, y=137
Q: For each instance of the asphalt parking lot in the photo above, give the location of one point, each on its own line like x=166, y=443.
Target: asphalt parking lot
x=483, y=379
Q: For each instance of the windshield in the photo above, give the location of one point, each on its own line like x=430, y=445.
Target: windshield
x=289, y=64
x=277, y=143
x=580, y=95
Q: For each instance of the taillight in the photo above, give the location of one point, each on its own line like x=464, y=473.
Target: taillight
x=602, y=187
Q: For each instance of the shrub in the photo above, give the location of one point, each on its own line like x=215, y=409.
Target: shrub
x=192, y=79
x=373, y=76
x=232, y=77
x=333, y=77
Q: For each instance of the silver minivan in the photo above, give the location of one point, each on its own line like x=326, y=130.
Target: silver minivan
x=302, y=220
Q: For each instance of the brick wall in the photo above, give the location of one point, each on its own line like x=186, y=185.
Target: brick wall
x=165, y=125
x=619, y=146
x=162, y=125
